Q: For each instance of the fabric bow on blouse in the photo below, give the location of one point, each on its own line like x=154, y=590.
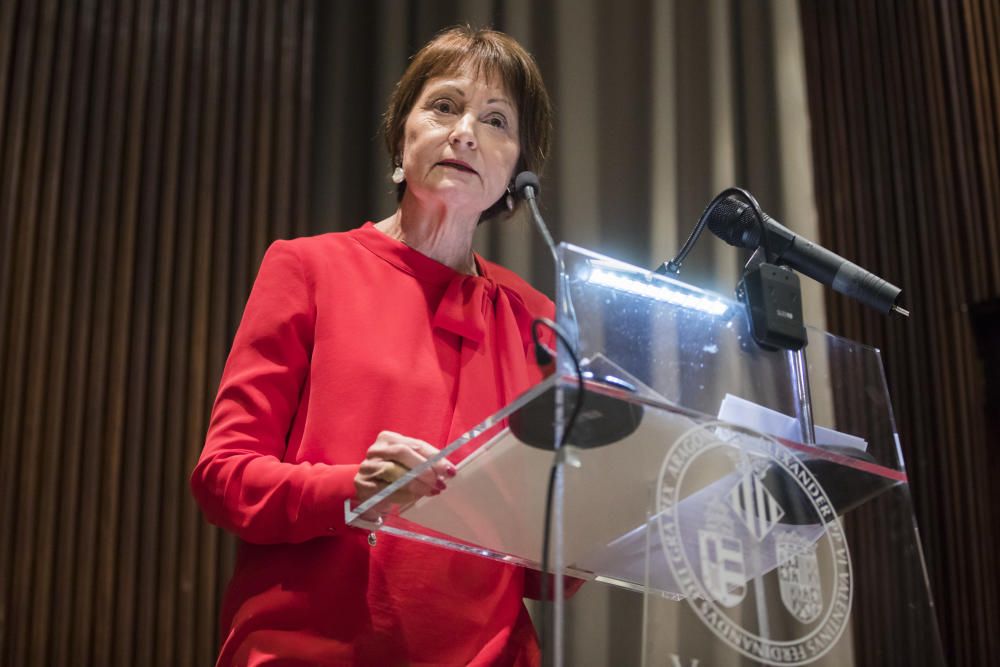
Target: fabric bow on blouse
x=468, y=302
x=477, y=309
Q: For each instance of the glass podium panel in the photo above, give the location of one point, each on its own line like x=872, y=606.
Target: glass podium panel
x=755, y=501
x=693, y=349
x=780, y=528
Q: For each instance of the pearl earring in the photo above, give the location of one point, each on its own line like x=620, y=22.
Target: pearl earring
x=509, y=199
x=398, y=176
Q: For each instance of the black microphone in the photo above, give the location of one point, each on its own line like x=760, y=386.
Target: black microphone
x=735, y=222
x=527, y=179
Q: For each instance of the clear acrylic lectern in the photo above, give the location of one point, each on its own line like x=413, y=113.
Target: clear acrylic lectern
x=757, y=503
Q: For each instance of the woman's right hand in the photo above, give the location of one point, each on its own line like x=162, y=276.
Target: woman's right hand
x=393, y=455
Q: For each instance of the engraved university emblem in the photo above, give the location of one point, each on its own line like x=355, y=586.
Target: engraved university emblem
x=721, y=527
x=755, y=505
x=722, y=567
x=798, y=575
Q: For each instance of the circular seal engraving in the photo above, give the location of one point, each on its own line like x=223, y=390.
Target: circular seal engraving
x=740, y=515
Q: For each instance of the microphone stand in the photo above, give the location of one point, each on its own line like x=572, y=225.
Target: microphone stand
x=552, y=637
x=568, y=321
x=607, y=419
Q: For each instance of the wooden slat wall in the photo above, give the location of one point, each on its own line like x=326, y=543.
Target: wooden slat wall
x=904, y=97
x=149, y=152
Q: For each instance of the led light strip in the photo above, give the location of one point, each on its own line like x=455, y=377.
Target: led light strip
x=617, y=281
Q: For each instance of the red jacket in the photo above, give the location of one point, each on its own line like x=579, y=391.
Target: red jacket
x=345, y=335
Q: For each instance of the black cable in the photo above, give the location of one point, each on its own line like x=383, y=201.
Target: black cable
x=577, y=405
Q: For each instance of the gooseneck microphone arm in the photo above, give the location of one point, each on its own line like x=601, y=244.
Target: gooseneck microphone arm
x=674, y=265
x=527, y=187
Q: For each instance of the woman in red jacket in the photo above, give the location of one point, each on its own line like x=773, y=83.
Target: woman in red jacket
x=357, y=351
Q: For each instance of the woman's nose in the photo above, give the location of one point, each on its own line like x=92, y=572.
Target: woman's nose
x=463, y=133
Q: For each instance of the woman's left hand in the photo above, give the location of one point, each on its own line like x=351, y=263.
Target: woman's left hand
x=391, y=456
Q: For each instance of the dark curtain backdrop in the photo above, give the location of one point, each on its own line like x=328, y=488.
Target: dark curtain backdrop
x=151, y=149
x=149, y=152
x=905, y=106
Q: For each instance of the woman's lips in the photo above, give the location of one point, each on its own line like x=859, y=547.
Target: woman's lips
x=459, y=165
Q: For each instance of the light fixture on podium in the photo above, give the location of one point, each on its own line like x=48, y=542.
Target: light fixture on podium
x=658, y=290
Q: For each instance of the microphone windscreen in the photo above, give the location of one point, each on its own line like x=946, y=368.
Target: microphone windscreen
x=523, y=180
x=734, y=222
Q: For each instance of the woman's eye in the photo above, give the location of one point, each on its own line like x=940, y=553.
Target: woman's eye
x=444, y=106
x=498, y=122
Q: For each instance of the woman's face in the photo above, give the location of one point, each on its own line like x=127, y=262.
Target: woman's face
x=460, y=143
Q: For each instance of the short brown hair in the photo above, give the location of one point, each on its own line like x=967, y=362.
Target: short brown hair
x=492, y=54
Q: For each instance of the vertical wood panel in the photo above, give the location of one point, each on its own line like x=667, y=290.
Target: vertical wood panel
x=130, y=59
x=283, y=125
x=175, y=17
x=34, y=252
x=11, y=329
x=8, y=14
x=71, y=313
x=154, y=518
x=45, y=398
x=208, y=586
x=912, y=194
x=264, y=178
x=246, y=163
x=203, y=215
x=176, y=407
x=150, y=150
x=92, y=294
x=303, y=99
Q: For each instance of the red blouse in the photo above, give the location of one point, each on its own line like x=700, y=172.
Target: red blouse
x=345, y=335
